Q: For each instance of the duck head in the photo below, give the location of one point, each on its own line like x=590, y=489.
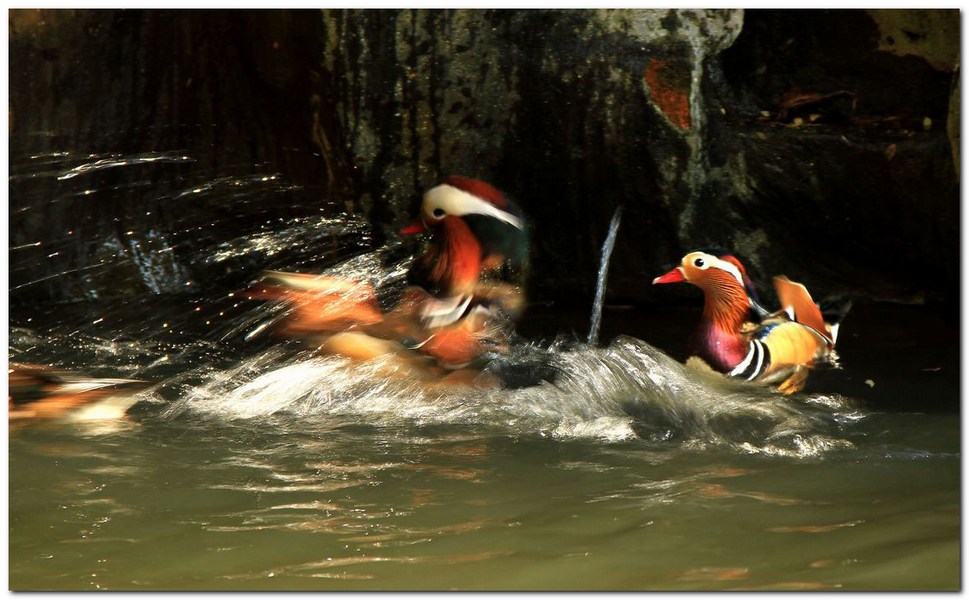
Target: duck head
x=473, y=229
x=708, y=269
x=720, y=275
x=730, y=303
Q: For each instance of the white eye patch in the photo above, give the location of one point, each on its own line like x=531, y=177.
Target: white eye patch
x=703, y=261
x=728, y=267
x=444, y=200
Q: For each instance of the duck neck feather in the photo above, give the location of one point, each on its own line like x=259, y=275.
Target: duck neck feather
x=726, y=304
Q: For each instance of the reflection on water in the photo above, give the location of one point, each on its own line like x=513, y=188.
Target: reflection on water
x=241, y=481
x=621, y=471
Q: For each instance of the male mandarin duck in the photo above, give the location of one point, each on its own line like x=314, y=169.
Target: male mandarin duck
x=464, y=290
x=738, y=337
x=477, y=252
x=40, y=393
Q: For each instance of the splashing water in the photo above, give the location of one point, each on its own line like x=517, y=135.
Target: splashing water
x=222, y=364
x=624, y=391
x=69, y=237
x=567, y=390
x=119, y=161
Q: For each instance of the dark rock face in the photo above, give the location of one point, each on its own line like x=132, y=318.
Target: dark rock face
x=864, y=202
x=216, y=126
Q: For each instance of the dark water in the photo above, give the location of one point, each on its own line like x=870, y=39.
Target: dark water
x=259, y=465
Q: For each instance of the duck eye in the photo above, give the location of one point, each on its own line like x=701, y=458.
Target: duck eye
x=438, y=213
x=699, y=262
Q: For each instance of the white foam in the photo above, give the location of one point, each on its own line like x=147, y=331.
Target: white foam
x=626, y=391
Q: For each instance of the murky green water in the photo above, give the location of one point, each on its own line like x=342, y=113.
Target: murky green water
x=276, y=469
x=339, y=505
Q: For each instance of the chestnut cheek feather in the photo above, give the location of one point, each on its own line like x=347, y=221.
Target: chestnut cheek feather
x=458, y=259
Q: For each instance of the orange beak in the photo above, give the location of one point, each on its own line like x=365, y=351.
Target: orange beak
x=672, y=277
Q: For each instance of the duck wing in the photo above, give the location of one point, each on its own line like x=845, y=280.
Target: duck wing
x=319, y=303
x=798, y=304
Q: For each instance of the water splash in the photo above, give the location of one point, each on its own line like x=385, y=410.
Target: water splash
x=170, y=236
x=626, y=391
x=121, y=161
x=381, y=268
x=341, y=233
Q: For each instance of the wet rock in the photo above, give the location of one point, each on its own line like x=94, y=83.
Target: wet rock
x=929, y=34
x=864, y=204
x=670, y=113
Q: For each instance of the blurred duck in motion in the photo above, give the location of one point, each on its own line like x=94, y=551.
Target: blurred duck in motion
x=37, y=393
x=738, y=337
x=464, y=291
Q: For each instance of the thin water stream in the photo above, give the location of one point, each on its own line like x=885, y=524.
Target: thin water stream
x=603, y=276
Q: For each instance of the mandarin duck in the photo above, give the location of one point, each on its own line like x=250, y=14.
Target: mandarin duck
x=478, y=248
x=41, y=393
x=740, y=338
x=464, y=290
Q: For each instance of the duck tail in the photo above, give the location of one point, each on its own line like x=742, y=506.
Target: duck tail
x=835, y=310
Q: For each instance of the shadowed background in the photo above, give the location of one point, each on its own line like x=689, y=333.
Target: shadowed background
x=680, y=116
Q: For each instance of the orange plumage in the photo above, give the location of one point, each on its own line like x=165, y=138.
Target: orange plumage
x=458, y=305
